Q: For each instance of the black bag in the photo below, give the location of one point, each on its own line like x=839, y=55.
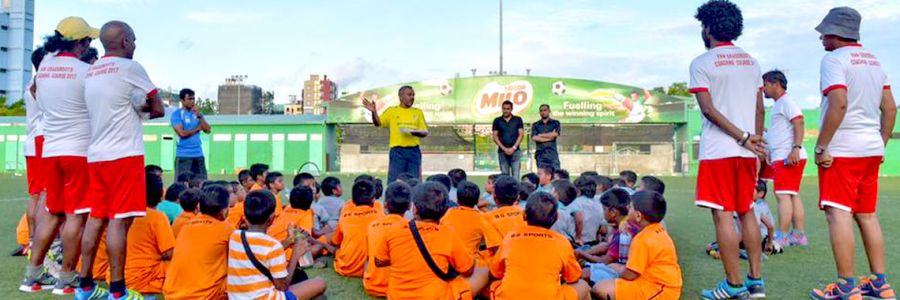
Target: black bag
x=259, y=266
x=451, y=273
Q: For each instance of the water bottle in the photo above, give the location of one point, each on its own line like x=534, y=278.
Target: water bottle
x=624, y=244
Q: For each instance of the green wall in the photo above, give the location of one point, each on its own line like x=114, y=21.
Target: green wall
x=283, y=142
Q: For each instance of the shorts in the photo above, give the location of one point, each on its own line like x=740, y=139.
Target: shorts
x=459, y=289
x=788, y=178
x=118, y=188
x=565, y=291
x=643, y=289
x=850, y=184
x=601, y=272
x=67, y=181
x=727, y=184
x=767, y=172
x=288, y=295
x=36, y=183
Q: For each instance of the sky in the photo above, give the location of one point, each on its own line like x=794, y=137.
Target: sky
x=364, y=44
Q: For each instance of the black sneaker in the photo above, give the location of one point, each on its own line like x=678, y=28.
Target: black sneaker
x=756, y=287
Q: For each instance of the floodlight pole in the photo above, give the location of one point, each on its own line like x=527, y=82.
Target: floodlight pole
x=501, y=37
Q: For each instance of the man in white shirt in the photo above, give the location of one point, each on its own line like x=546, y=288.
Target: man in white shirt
x=787, y=158
x=59, y=90
x=119, y=94
x=727, y=83
x=858, y=113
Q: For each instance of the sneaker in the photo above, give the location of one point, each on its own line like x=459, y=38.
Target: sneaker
x=832, y=291
x=725, y=291
x=756, y=287
x=129, y=295
x=870, y=291
x=42, y=282
x=782, y=239
x=798, y=239
x=96, y=293
x=65, y=288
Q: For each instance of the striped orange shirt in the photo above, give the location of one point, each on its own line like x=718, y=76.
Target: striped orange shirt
x=245, y=281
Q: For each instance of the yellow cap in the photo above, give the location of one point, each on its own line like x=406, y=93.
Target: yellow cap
x=75, y=28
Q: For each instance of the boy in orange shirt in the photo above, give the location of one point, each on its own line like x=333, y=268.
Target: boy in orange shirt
x=275, y=184
x=350, y=234
x=507, y=217
x=411, y=277
x=200, y=263
x=190, y=203
x=533, y=258
x=258, y=172
x=466, y=218
x=375, y=279
x=241, y=188
x=150, y=244
x=652, y=270
x=298, y=215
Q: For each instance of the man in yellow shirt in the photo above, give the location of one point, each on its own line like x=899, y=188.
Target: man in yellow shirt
x=407, y=126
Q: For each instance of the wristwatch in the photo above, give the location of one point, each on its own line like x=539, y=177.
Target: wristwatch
x=797, y=147
x=819, y=149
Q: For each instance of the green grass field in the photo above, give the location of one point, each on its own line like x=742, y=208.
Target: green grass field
x=788, y=276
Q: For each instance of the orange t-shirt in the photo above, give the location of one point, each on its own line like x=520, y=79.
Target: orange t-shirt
x=279, y=208
x=375, y=279
x=255, y=187
x=180, y=221
x=410, y=276
x=303, y=219
x=652, y=254
x=498, y=223
x=148, y=238
x=200, y=261
x=235, y=215
x=100, y=269
x=530, y=262
x=466, y=222
x=350, y=236
x=22, y=233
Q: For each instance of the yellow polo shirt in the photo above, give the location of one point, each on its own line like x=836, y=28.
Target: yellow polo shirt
x=396, y=117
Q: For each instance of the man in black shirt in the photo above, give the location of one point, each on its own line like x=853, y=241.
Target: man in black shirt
x=508, y=130
x=544, y=133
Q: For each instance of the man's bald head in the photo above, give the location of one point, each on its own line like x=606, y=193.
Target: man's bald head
x=117, y=38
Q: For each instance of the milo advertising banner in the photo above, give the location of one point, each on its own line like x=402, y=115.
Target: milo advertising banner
x=478, y=100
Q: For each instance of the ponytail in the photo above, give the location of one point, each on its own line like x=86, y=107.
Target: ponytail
x=55, y=43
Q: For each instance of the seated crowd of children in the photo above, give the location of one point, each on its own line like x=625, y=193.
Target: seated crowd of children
x=538, y=237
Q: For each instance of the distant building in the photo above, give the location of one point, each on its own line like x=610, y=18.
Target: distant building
x=240, y=99
x=16, y=42
x=317, y=89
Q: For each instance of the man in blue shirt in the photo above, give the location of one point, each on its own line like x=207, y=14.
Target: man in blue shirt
x=187, y=123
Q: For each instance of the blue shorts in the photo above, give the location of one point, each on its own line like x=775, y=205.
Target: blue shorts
x=601, y=272
x=289, y=296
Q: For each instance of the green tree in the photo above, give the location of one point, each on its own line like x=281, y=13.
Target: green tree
x=658, y=90
x=678, y=89
x=206, y=106
x=16, y=109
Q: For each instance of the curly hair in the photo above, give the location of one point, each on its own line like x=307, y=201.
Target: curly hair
x=722, y=18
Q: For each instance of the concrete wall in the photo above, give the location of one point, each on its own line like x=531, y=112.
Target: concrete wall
x=659, y=161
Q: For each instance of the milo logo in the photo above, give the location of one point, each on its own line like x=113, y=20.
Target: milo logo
x=489, y=99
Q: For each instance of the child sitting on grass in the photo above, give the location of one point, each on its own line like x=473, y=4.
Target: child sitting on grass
x=766, y=226
x=269, y=277
x=652, y=271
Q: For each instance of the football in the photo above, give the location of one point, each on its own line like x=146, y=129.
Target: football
x=558, y=88
x=446, y=89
